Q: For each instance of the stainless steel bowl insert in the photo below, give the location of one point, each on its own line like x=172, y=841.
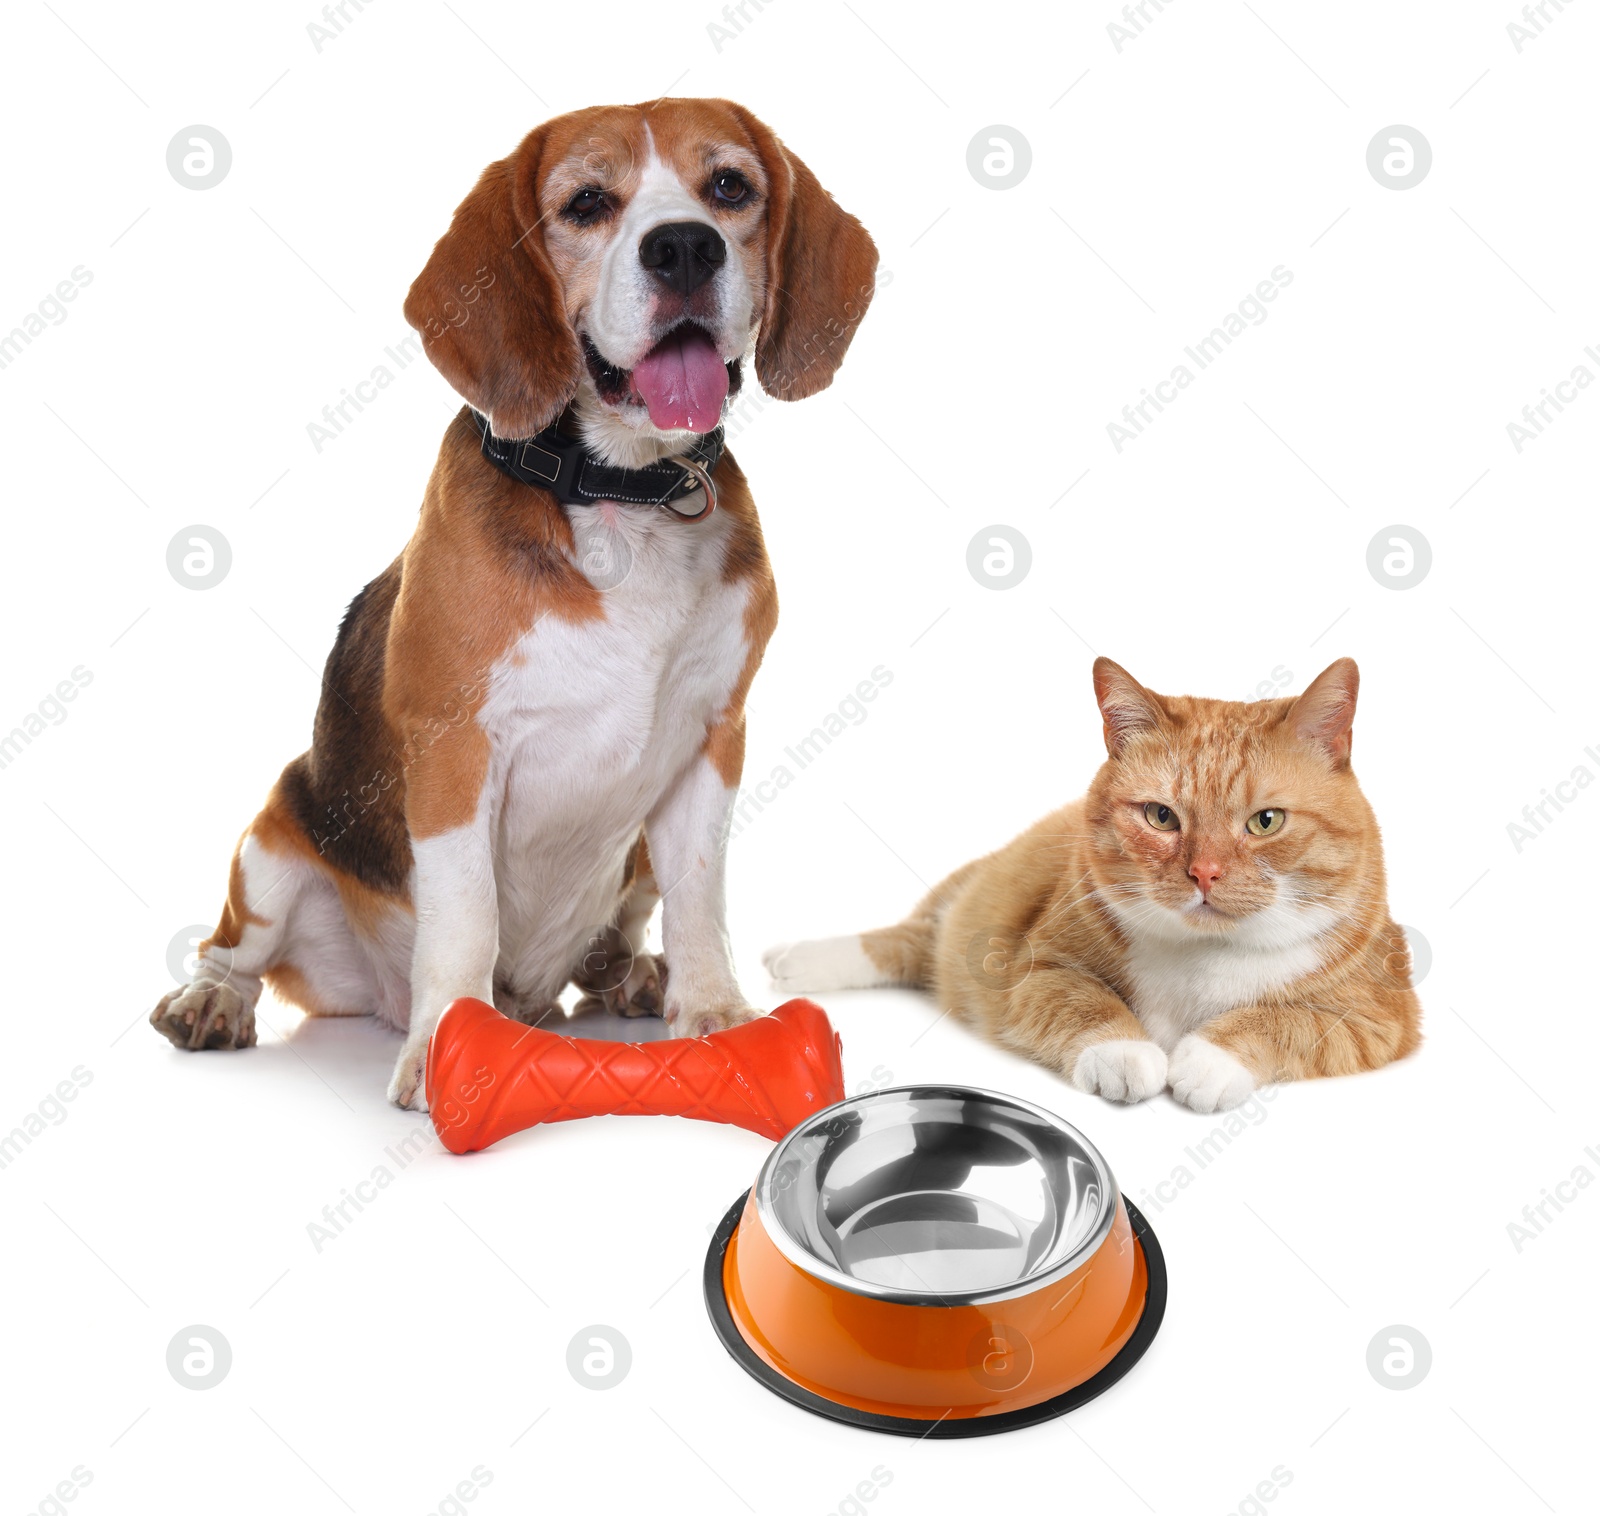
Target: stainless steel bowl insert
x=936, y=1195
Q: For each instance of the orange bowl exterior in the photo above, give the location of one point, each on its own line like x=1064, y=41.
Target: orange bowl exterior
x=926, y=1361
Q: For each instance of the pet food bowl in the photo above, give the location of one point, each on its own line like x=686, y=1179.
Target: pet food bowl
x=935, y=1261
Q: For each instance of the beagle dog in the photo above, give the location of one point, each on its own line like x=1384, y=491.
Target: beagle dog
x=532, y=722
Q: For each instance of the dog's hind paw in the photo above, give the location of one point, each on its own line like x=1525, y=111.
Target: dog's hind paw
x=203, y=1016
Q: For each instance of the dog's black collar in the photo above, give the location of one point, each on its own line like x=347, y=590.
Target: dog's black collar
x=553, y=461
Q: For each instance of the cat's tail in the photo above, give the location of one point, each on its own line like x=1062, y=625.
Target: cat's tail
x=891, y=955
x=897, y=955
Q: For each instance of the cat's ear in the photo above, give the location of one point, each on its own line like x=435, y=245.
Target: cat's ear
x=1126, y=706
x=1324, y=714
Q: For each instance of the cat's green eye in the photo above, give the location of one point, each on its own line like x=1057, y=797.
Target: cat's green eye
x=1265, y=823
x=1162, y=817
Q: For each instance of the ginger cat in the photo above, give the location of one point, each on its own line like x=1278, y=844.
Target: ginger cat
x=1210, y=917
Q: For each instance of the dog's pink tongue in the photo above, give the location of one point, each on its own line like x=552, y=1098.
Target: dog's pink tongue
x=683, y=381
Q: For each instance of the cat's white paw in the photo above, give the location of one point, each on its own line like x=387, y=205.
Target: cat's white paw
x=1205, y=1077
x=1121, y=1068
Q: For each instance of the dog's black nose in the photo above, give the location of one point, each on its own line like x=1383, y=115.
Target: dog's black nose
x=683, y=254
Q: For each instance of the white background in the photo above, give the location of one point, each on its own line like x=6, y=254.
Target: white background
x=1167, y=180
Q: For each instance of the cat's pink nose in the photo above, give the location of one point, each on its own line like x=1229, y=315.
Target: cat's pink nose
x=1205, y=873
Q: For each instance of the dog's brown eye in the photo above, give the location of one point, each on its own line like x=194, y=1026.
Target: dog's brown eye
x=729, y=187
x=585, y=204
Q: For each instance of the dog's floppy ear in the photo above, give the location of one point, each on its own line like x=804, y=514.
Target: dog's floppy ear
x=820, y=268
x=489, y=307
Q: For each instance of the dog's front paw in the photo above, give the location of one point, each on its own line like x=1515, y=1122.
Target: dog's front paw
x=702, y=1021
x=407, y=1087
x=1121, y=1068
x=1207, y=1078
x=205, y=1016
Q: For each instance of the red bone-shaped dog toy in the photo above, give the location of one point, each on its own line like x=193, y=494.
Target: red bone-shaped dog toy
x=489, y=1076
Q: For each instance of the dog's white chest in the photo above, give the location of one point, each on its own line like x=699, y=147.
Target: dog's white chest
x=586, y=716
